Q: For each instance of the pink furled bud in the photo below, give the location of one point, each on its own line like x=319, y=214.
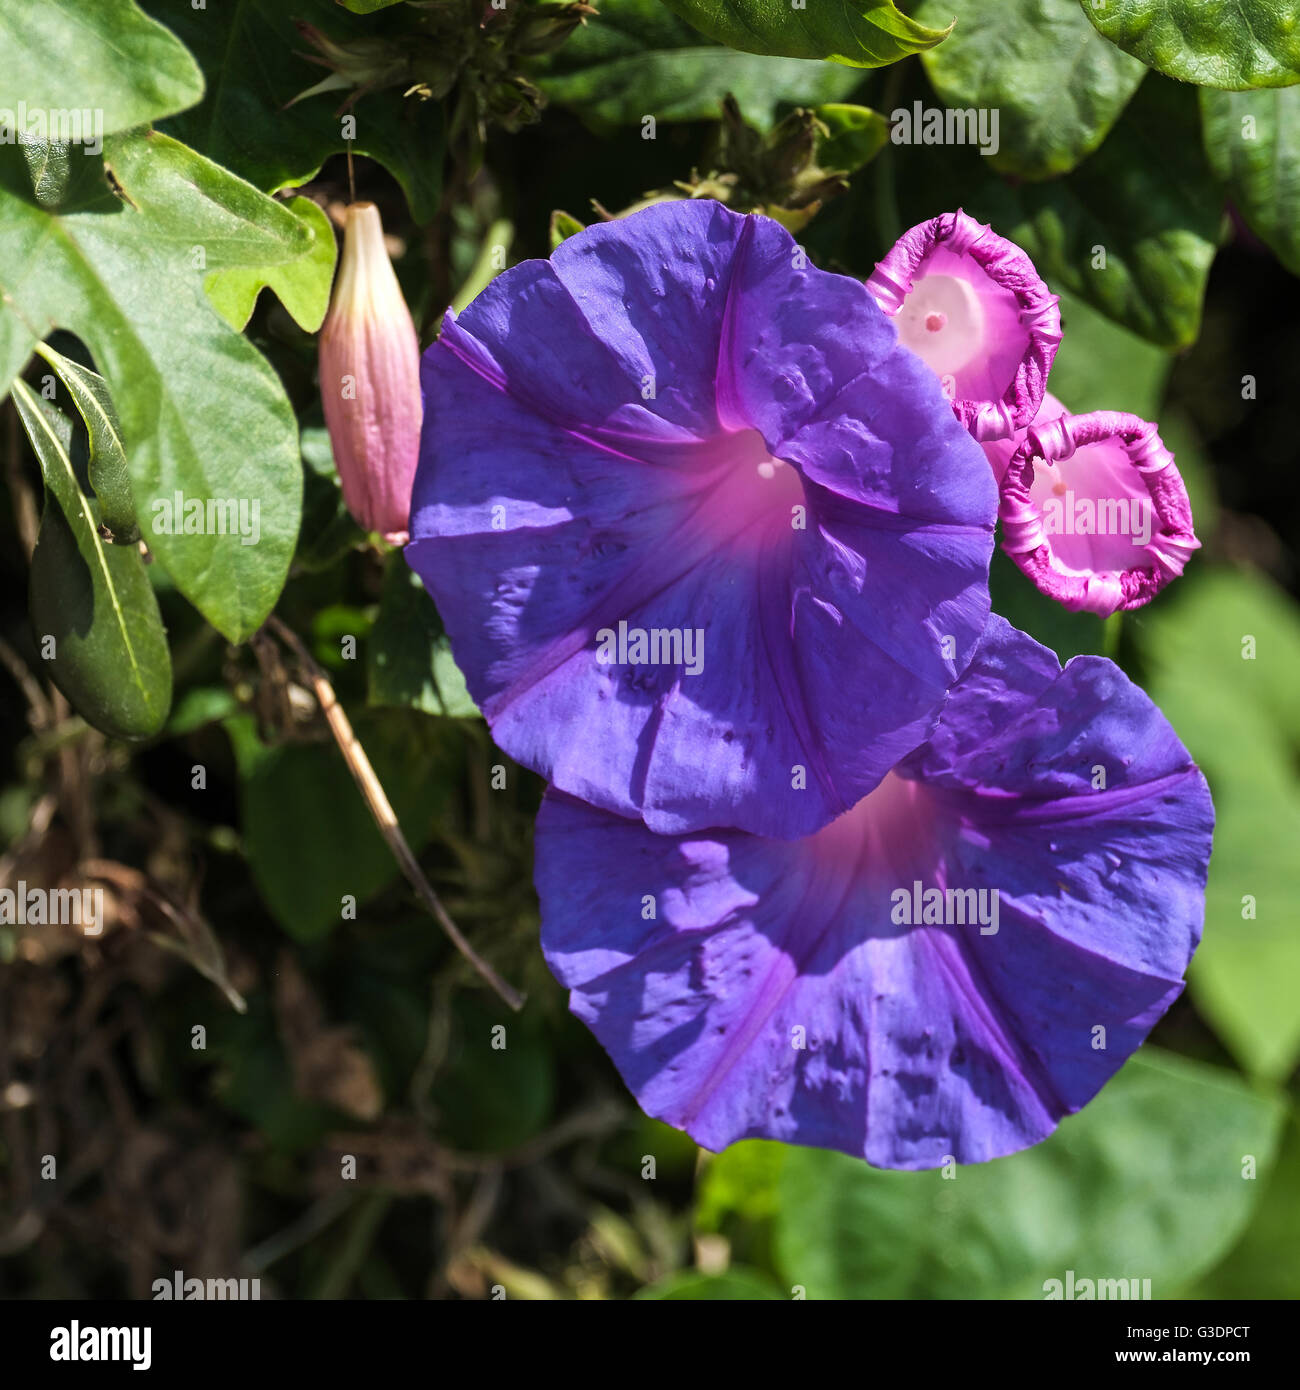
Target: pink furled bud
x=370, y=380
x=1093, y=509
x=970, y=304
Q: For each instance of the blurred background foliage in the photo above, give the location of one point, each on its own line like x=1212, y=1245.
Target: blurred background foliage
x=486, y=135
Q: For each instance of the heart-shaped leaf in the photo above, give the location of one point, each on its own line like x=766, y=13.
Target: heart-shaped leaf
x=1056, y=85
x=1216, y=43
x=1253, y=143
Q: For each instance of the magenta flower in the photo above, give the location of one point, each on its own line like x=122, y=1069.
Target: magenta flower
x=1093, y=508
x=942, y=973
x=710, y=545
x=970, y=304
x=369, y=380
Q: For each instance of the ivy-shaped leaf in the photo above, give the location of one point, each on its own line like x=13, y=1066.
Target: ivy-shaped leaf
x=246, y=121
x=91, y=601
x=1215, y=43
x=105, y=59
x=302, y=285
x=211, y=439
x=861, y=33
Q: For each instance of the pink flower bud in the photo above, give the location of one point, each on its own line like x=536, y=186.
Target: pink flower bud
x=970, y=304
x=1093, y=508
x=370, y=380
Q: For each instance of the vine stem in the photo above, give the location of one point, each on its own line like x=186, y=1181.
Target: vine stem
x=381, y=809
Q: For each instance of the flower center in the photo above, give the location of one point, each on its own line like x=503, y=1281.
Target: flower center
x=942, y=321
x=754, y=487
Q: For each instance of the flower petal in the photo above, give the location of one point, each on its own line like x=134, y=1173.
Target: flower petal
x=747, y=987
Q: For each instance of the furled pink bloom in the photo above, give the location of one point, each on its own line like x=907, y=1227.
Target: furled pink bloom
x=370, y=380
x=1093, y=508
x=970, y=304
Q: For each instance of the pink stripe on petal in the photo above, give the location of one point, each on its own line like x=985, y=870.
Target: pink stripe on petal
x=1095, y=512
x=970, y=304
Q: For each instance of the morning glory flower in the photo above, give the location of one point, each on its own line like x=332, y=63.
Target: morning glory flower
x=369, y=380
x=709, y=544
x=970, y=304
x=1093, y=508
x=939, y=975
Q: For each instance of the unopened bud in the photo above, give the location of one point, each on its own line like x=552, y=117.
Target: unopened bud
x=370, y=380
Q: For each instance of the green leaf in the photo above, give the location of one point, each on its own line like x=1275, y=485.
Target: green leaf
x=1055, y=84
x=246, y=122
x=1144, y=1183
x=856, y=135
x=202, y=412
x=1263, y=1264
x=1238, y=715
x=637, y=59
x=367, y=6
x=1253, y=143
x=109, y=476
x=861, y=33
x=1216, y=43
x=408, y=657
x=488, y=1097
x=735, y=1285
x=309, y=838
x=563, y=226
x=105, y=58
x=94, y=600
x=1132, y=230
x=329, y=530
x=302, y=286
x=1101, y=366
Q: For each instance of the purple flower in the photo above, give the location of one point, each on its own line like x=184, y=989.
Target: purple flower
x=1093, y=509
x=971, y=305
x=709, y=544
x=945, y=971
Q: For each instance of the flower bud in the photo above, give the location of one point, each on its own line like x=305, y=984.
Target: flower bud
x=370, y=380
